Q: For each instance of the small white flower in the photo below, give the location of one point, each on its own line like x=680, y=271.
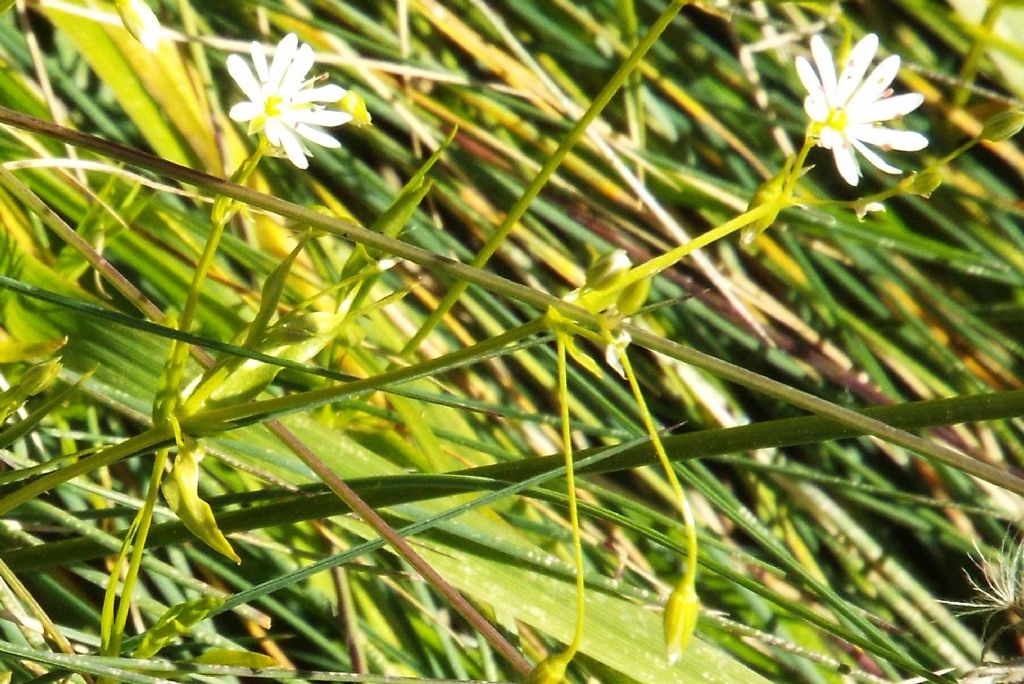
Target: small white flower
x=846, y=112
x=141, y=22
x=283, y=105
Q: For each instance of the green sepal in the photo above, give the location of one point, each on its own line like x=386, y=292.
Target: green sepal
x=35, y=380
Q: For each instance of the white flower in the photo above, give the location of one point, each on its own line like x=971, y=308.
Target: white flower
x=846, y=112
x=283, y=105
x=140, y=21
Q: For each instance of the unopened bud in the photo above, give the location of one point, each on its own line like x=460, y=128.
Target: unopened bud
x=354, y=104
x=633, y=297
x=924, y=183
x=1003, y=125
x=551, y=670
x=141, y=22
x=606, y=272
x=681, y=612
x=769, y=195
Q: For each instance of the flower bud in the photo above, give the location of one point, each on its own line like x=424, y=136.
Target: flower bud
x=141, y=22
x=768, y=194
x=551, y=670
x=606, y=272
x=681, y=612
x=633, y=297
x=1003, y=126
x=354, y=104
x=924, y=183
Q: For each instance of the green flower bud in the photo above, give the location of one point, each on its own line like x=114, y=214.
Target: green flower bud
x=607, y=271
x=768, y=194
x=923, y=183
x=551, y=670
x=1003, y=126
x=681, y=612
x=141, y=22
x=354, y=104
x=633, y=297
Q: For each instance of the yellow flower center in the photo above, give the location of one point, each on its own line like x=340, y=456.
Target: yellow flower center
x=272, y=106
x=836, y=119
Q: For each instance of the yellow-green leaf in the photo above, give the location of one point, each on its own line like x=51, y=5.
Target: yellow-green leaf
x=234, y=658
x=175, y=622
x=182, y=494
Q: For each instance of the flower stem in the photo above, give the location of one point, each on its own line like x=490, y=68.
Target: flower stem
x=163, y=414
x=570, y=485
x=666, y=464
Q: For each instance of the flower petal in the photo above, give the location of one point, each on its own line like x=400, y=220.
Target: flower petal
x=826, y=67
x=259, y=60
x=328, y=93
x=275, y=130
x=886, y=108
x=856, y=66
x=875, y=160
x=284, y=53
x=315, y=135
x=846, y=162
x=245, y=111
x=875, y=85
x=242, y=74
x=293, y=148
x=830, y=138
x=816, y=104
x=319, y=117
x=888, y=138
x=293, y=78
x=807, y=76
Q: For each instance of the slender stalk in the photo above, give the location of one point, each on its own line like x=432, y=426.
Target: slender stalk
x=570, y=486
x=666, y=464
x=136, y=538
x=164, y=409
x=969, y=69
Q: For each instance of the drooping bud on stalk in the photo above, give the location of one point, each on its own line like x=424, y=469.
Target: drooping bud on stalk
x=141, y=22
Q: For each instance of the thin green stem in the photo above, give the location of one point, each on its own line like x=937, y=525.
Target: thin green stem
x=969, y=69
x=163, y=413
x=549, y=167
x=570, y=486
x=690, y=574
x=112, y=645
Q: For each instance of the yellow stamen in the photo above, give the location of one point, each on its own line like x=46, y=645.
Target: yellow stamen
x=837, y=119
x=272, y=106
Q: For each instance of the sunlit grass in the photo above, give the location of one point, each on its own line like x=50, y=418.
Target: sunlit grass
x=404, y=357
